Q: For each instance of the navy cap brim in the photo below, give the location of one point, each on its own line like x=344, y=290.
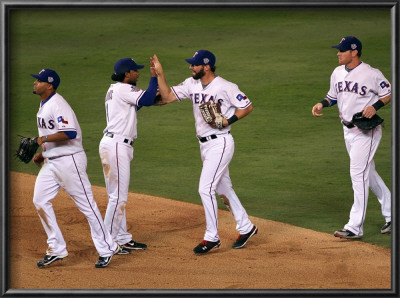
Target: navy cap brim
x=340, y=48
x=139, y=67
x=190, y=61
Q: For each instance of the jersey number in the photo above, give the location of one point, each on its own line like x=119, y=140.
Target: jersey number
x=109, y=95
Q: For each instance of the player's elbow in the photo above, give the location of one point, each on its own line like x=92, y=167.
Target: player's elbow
x=247, y=111
x=170, y=97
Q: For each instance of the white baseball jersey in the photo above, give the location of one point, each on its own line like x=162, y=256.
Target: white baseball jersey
x=65, y=166
x=121, y=107
x=354, y=90
x=227, y=94
x=116, y=154
x=357, y=89
x=56, y=115
x=216, y=153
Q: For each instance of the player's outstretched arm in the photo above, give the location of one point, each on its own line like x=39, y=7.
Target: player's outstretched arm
x=166, y=93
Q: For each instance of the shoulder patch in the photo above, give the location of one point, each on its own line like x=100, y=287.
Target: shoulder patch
x=241, y=97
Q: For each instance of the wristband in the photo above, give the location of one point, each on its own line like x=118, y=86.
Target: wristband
x=233, y=119
x=378, y=105
x=325, y=103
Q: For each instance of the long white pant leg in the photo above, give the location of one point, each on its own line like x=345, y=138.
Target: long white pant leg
x=115, y=158
x=224, y=188
x=76, y=183
x=381, y=191
x=361, y=147
x=46, y=188
x=216, y=155
x=123, y=235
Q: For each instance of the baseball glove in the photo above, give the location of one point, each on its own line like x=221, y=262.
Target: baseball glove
x=366, y=123
x=211, y=113
x=27, y=149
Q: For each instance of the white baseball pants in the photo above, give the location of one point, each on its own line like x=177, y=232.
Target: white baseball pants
x=216, y=155
x=116, y=157
x=69, y=172
x=361, y=147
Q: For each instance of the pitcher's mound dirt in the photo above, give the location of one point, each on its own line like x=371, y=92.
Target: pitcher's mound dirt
x=280, y=256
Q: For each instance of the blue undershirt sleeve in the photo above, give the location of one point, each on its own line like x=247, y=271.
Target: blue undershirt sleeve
x=333, y=101
x=149, y=95
x=70, y=134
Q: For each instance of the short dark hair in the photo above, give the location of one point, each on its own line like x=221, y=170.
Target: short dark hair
x=118, y=77
x=213, y=68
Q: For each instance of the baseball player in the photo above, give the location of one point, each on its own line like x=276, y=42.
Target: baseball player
x=122, y=101
x=216, y=145
x=355, y=86
x=64, y=166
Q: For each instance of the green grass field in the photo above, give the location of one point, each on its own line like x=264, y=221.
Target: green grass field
x=288, y=166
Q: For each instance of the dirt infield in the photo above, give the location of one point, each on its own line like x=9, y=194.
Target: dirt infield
x=280, y=256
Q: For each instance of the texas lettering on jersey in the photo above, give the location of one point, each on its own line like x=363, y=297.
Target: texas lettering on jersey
x=200, y=98
x=349, y=86
x=354, y=87
x=41, y=122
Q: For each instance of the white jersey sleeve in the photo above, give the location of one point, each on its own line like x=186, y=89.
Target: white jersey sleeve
x=384, y=88
x=357, y=89
x=121, y=103
x=182, y=91
x=56, y=115
x=226, y=93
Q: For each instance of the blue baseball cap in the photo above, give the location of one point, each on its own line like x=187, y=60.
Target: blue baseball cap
x=349, y=43
x=202, y=57
x=126, y=65
x=49, y=76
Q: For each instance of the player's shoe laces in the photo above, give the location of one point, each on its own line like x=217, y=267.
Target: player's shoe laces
x=104, y=261
x=47, y=260
x=131, y=245
x=206, y=246
x=387, y=228
x=242, y=239
x=346, y=234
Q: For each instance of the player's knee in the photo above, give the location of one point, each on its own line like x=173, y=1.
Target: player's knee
x=39, y=204
x=206, y=191
x=358, y=176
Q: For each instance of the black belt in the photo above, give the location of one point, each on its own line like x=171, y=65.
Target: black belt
x=211, y=137
x=348, y=124
x=111, y=135
x=205, y=139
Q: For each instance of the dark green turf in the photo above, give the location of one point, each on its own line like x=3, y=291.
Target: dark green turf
x=288, y=166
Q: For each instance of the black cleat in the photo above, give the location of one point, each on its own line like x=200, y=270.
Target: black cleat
x=242, y=239
x=47, y=260
x=133, y=245
x=387, y=228
x=206, y=246
x=346, y=234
